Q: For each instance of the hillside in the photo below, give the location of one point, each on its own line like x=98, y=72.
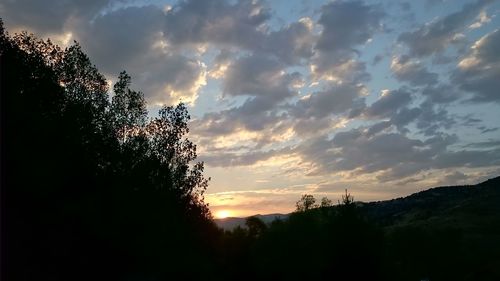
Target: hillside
x=446, y=205
x=443, y=233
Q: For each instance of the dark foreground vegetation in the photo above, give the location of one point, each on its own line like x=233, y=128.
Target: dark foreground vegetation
x=94, y=190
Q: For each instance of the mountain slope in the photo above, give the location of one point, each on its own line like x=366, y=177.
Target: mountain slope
x=445, y=205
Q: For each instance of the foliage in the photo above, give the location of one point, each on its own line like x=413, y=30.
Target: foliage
x=325, y=202
x=92, y=186
x=305, y=203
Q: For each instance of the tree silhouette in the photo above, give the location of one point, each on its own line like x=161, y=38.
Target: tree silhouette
x=305, y=203
x=256, y=226
x=92, y=188
x=128, y=108
x=325, y=202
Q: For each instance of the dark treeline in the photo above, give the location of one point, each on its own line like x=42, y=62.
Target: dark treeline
x=92, y=189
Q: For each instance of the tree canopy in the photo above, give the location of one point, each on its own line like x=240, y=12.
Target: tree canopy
x=91, y=177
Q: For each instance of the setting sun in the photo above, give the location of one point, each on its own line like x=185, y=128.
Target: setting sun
x=222, y=214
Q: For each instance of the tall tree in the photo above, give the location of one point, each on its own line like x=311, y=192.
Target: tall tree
x=305, y=203
x=80, y=200
x=128, y=107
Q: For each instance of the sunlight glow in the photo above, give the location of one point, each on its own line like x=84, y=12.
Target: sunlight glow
x=222, y=214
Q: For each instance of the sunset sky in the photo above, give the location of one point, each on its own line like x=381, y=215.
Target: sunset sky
x=289, y=97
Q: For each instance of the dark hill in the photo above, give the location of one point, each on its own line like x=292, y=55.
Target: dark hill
x=446, y=205
x=443, y=233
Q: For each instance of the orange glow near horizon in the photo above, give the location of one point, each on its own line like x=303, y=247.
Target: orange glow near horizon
x=222, y=214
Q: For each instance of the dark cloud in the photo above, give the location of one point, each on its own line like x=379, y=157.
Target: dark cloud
x=378, y=127
x=218, y=22
x=118, y=38
x=265, y=83
x=455, y=177
x=237, y=159
x=312, y=126
x=413, y=72
x=395, y=107
x=441, y=94
x=49, y=17
x=354, y=150
x=169, y=78
x=259, y=76
x=302, y=79
x=292, y=42
x=393, y=156
x=479, y=71
x=389, y=103
x=404, y=117
x=485, y=130
x=484, y=144
x=130, y=38
x=468, y=158
x=229, y=121
x=433, y=118
x=336, y=99
x=346, y=25
x=241, y=24
x=437, y=35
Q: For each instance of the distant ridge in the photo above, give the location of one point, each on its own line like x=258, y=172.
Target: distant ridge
x=232, y=222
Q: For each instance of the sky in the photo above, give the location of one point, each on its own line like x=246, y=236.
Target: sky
x=292, y=97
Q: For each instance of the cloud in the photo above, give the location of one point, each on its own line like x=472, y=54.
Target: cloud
x=131, y=38
x=51, y=17
x=259, y=76
x=346, y=25
x=270, y=90
x=437, y=35
x=237, y=159
x=391, y=156
x=482, y=19
x=455, y=177
x=334, y=100
x=432, y=118
x=120, y=37
x=389, y=103
x=238, y=25
x=484, y=144
x=171, y=78
x=412, y=71
x=265, y=84
x=479, y=70
x=231, y=120
x=217, y=22
x=292, y=42
x=303, y=86
x=441, y=94
x=394, y=107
